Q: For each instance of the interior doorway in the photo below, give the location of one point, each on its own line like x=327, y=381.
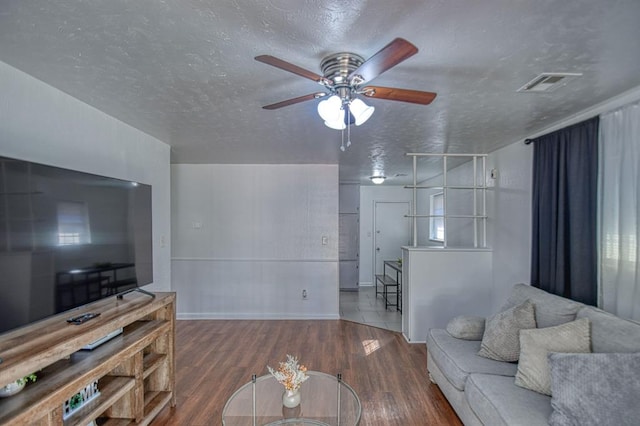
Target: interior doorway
x=392, y=230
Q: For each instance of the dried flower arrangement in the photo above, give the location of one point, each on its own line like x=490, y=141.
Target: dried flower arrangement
x=290, y=374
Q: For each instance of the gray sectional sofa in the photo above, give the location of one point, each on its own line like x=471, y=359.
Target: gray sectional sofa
x=482, y=391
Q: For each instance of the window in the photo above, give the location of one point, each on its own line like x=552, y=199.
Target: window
x=73, y=223
x=436, y=224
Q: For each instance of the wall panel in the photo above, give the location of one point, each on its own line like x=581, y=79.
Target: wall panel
x=249, y=238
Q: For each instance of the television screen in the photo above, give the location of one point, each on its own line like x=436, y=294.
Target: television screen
x=68, y=238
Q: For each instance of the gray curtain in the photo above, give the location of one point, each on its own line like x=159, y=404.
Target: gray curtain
x=564, y=238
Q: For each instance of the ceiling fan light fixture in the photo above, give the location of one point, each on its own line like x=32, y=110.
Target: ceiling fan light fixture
x=336, y=124
x=360, y=111
x=377, y=179
x=331, y=109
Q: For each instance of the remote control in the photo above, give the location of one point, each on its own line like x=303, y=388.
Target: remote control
x=82, y=318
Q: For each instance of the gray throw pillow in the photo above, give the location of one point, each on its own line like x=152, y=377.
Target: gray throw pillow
x=501, y=333
x=610, y=333
x=535, y=345
x=467, y=328
x=595, y=389
x=551, y=309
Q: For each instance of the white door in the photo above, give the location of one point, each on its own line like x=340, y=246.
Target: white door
x=392, y=231
x=349, y=227
x=348, y=251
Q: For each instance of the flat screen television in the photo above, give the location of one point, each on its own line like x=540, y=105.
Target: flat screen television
x=68, y=238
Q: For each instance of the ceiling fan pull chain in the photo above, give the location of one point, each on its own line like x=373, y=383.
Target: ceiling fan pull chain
x=342, y=144
x=349, y=127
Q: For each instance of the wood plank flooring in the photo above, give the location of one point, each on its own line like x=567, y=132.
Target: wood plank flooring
x=215, y=357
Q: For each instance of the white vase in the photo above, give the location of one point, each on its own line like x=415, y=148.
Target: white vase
x=11, y=389
x=291, y=398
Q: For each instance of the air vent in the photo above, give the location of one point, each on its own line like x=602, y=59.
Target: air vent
x=548, y=82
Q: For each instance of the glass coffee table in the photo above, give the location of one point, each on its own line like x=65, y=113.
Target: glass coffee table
x=324, y=400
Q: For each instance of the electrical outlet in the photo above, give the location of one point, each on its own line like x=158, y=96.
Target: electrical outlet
x=304, y=295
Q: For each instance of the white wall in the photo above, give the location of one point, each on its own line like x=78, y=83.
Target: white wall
x=510, y=218
x=440, y=284
x=247, y=239
x=369, y=195
x=42, y=124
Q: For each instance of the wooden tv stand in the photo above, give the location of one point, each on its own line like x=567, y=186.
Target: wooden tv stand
x=135, y=370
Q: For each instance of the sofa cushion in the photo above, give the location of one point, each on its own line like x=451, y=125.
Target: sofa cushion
x=550, y=309
x=501, y=333
x=457, y=358
x=465, y=327
x=610, y=333
x=595, y=389
x=533, y=368
x=496, y=401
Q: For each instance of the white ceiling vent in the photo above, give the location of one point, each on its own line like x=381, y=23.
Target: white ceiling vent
x=548, y=82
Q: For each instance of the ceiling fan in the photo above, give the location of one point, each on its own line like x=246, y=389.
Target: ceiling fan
x=343, y=77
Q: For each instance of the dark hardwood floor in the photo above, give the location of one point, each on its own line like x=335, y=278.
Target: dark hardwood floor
x=214, y=358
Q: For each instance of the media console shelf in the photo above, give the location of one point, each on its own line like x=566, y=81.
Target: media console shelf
x=135, y=370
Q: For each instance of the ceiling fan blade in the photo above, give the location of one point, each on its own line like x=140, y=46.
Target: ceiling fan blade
x=295, y=100
x=403, y=95
x=390, y=55
x=287, y=66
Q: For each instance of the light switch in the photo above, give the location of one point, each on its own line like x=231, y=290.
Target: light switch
x=325, y=240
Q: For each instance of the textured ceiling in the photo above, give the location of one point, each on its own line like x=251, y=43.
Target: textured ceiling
x=183, y=71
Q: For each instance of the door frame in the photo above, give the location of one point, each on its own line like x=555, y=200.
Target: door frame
x=374, y=233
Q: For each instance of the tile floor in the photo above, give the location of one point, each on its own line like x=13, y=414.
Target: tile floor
x=364, y=307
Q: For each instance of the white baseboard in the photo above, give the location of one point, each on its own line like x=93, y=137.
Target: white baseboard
x=249, y=316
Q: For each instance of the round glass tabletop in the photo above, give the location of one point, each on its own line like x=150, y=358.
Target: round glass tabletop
x=324, y=400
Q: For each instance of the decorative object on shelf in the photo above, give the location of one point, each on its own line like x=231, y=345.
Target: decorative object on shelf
x=80, y=399
x=17, y=386
x=291, y=375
